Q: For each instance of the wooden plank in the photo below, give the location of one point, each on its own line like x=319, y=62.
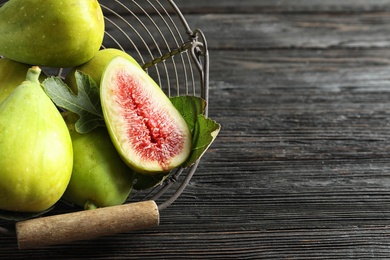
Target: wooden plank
x=361, y=25
x=313, y=139
x=257, y=6
x=300, y=167
x=304, y=71
x=337, y=243
x=259, y=31
x=318, y=99
x=265, y=6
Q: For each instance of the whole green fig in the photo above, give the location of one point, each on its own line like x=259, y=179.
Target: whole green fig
x=99, y=178
x=51, y=33
x=36, y=155
x=95, y=66
x=12, y=73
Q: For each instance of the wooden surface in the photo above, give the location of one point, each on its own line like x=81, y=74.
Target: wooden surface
x=300, y=169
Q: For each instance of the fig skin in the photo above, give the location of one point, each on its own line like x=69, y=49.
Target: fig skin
x=95, y=66
x=99, y=176
x=147, y=130
x=12, y=74
x=36, y=155
x=51, y=33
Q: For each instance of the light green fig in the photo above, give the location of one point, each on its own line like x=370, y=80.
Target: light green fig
x=36, y=155
x=99, y=178
x=51, y=33
x=148, y=131
x=95, y=66
x=12, y=74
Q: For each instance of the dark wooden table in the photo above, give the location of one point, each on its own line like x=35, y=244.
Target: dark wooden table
x=301, y=167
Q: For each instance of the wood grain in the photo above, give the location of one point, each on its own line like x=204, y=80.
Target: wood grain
x=282, y=6
x=301, y=168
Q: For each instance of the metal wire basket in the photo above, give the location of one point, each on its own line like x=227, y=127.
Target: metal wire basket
x=157, y=35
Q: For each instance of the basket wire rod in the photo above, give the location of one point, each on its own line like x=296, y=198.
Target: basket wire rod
x=124, y=33
x=194, y=35
x=173, y=52
x=201, y=50
x=168, y=183
x=150, y=34
x=136, y=32
x=112, y=37
x=167, y=45
x=171, y=30
x=181, y=16
x=140, y=22
x=196, y=49
x=162, y=37
x=181, y=188
x=7, y=232
x=180, y=50
x=185, y=25
x=172, y=178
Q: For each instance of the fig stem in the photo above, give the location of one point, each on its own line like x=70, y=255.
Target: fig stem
x=89, y=205
x=33, y=74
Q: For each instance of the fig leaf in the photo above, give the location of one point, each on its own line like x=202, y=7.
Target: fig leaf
x=205, y=131
x=86, y=103
x=189, y=107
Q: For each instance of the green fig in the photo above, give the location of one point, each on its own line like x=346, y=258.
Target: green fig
x=12, y=74
x=96, y=66
x=51, y=33
x=148, y=131
x=36, y=155
x=99, y=178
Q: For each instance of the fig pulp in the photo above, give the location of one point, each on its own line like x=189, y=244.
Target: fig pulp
x=12, y=73
x=148, y=131
x=51, y=33
x=99, y=175
x=36, y=155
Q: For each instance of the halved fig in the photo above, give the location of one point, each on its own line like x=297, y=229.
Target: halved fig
x=148, y=131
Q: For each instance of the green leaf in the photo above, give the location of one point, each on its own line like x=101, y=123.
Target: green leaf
x=86, y=103
x=189, y=107
x=205, y=132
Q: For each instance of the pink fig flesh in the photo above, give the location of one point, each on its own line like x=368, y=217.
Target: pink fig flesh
x=149, y=133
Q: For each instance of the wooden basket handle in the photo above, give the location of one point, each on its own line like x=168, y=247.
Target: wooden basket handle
x=86, y=224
